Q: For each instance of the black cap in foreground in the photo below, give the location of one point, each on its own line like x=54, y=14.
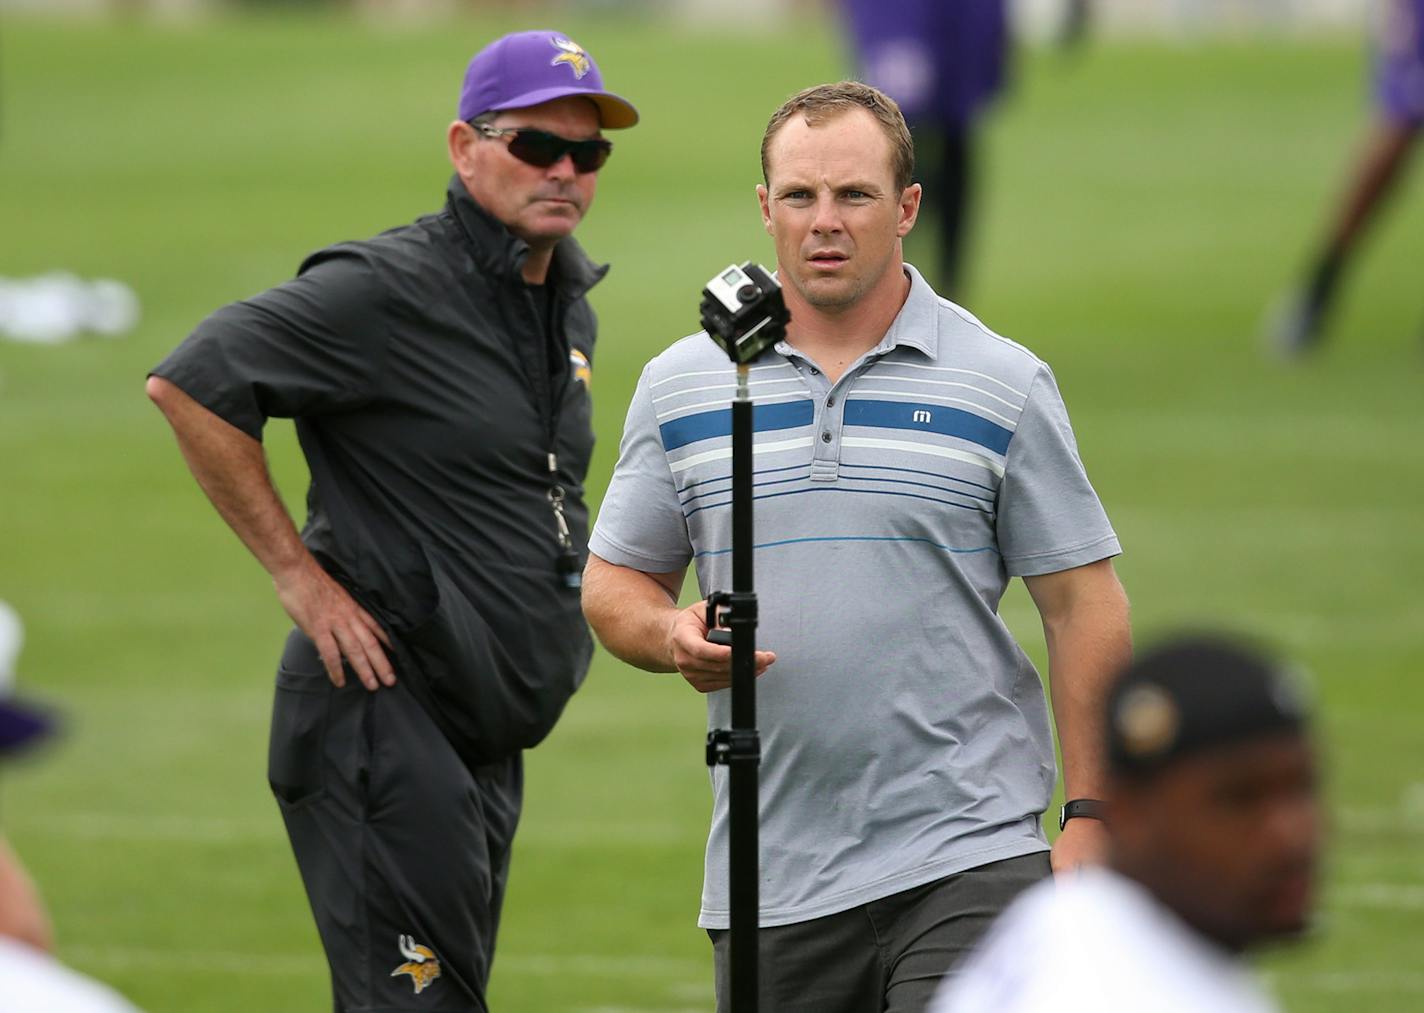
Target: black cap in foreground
x=1195, y=693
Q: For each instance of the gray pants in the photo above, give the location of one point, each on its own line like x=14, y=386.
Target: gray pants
x=883, y=957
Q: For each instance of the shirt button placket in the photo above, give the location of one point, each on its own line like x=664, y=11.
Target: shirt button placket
x=830, y=424
x=826, y=466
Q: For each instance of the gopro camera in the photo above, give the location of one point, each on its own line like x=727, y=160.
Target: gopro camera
x=744, y=312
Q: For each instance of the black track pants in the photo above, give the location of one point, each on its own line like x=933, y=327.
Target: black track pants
x=403, y=849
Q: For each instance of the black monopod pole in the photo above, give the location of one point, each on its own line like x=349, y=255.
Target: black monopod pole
x=743, y=311
x=745, y=754
x=740, y=748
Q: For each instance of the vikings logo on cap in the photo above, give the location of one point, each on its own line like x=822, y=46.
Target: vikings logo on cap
x=420, y=964
x=573, y=54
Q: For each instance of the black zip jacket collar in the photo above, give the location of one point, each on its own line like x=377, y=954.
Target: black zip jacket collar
x=503, y=254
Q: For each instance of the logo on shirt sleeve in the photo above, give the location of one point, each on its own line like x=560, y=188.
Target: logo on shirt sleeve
x=420, y=964
x=583, y=372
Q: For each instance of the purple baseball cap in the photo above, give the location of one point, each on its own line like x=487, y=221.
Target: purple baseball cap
x=526, y=68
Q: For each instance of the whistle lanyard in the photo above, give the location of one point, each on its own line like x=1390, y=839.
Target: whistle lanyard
x=568, y=561
x=551, y=398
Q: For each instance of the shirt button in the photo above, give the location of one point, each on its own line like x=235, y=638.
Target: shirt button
x=825, y=437
x=831, y=401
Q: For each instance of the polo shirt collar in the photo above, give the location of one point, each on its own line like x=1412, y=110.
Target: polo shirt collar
x=503, y=253
x=917, y=324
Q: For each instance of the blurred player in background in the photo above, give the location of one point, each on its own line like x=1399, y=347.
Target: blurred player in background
x=439, y=379
x=1215, y=827
x=31, y=979
x=943, y=63
x=1300, y=324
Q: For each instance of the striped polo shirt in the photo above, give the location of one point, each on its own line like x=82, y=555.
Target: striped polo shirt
x=905, y=734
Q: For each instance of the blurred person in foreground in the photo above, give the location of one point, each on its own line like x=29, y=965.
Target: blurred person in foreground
x=1300, y=323
x=910, y=462
x=944, y=64
x=439, y=378
x=1215, y=827
x=31, y=979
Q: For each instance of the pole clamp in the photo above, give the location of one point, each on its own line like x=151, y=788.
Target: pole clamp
x=726, y=610
x=730, y=746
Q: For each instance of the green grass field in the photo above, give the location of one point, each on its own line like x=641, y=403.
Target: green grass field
x=1144, y=204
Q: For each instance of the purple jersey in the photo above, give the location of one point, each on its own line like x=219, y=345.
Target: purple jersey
x=942, y=60
x=1399, y=63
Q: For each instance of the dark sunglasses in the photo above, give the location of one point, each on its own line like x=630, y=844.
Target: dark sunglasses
x=542, y=149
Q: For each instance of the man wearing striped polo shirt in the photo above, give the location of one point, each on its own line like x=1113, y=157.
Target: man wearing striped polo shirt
x=909, y=462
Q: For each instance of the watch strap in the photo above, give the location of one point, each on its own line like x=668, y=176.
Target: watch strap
x=1091, y=808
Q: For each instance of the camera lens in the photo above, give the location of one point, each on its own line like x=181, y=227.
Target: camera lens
x=747, y=293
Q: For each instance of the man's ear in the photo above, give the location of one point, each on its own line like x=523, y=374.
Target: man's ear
x=461, y=138
x=909, y=209
x=764, y=199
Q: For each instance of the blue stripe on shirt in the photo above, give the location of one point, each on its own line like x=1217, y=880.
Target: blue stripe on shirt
x=710, y=425
x=931, y=418
x=915, y=471
x=852, y=538
x=755, y=485
x=689, y=514
x=755, y=473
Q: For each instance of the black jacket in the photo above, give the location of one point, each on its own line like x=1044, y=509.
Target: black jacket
x=427, y=394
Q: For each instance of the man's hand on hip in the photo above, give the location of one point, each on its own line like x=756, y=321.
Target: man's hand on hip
x=706, y=666
x=231, y=467
x=336, y=624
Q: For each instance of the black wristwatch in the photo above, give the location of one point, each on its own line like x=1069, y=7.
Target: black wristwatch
x=1092, y=808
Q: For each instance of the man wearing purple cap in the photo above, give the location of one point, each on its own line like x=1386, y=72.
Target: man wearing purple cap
x=438, y=375
x=1298, y=325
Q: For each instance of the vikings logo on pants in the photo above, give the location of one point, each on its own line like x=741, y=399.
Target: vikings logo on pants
x=420, y=964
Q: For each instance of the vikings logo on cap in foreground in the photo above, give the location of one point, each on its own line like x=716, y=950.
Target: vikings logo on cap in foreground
x=1147, y=720
x=420, y=964
x=573, y=54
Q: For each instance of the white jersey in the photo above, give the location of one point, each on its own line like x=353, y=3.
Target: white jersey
x=34, y=982
x=1097, y=942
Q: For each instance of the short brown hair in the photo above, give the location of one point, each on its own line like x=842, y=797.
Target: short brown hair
x=826, y=101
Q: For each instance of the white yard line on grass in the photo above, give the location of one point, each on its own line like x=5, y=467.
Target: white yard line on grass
x=1394, y=896
x=1406, y=819
x=1350, y=981
x=212, y=961
x=97, y=825
x=595, y=965
x=286, y=964
x=110, y=826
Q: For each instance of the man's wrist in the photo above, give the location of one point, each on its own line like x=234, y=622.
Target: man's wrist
x=294, y=566
x=668, y=662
